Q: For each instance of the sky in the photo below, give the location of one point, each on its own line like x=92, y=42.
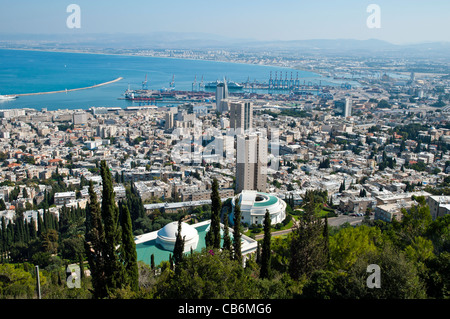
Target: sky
x=401, y=21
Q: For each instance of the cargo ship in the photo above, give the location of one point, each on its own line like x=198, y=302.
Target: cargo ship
x=141, y=95
x=230, y=84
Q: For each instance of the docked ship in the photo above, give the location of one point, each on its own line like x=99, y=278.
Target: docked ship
x=231, y=85
x=142, y=95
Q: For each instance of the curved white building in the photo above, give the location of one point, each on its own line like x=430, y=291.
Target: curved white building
x=167, y=236
x=254, y=205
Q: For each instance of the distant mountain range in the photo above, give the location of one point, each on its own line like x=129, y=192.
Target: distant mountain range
x=201, y=41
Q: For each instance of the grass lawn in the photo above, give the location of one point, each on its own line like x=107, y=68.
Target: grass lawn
x=272, y=229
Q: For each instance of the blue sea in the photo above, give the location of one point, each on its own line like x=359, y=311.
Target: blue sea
x=37, y=71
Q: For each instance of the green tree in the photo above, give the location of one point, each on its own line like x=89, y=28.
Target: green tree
x=178, y=249
x=266, y=271
x=415, y=222
x=114, y=270
x=307, y=246
x=226, y=233
x=94, y=245
x=216, y=206
x=438, y=232
x=399, y=276
x=438, y=276
x=206, y=275
x=128, y=253
x=349, y=244
x=420, y=250
x=15, y=282
x=237, y=253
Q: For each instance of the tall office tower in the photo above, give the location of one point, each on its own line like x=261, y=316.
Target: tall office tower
x=169, y=121
x=251, y=162
x=241, y=116
x=221, y=93
x=348, y=107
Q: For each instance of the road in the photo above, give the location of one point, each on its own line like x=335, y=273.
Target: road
x=342, y=219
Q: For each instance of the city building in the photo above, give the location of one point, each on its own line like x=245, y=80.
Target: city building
x=388, y=212
x=251, y=162
x=241, y=116
x=439, y=206
x=166, y=236
x=80, y=118
x=254, y=204
x=64, y=198
x=348, y=107
x=221, y=93
x=160, y=243
x=205, y=195
x=169, y=117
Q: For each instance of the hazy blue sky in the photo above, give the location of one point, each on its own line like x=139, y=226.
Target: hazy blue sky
x=402, y=21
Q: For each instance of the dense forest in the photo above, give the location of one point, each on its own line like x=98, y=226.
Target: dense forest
x=315, y=260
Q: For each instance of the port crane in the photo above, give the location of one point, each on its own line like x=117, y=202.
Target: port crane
x=172, y=83
x=201, y=85
x=144, y=83
x=194, y=83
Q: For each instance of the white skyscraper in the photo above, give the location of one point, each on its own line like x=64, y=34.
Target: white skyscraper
x=251, y=162
x=221, y=93
x=348, y=107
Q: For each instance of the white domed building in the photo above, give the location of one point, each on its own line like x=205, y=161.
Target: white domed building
x=167, y=236
x=254, y=205
x=160, y=243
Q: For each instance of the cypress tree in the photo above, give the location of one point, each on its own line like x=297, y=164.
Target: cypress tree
x=3, y=233
x=179, y=246
x=94, y=245
x=216, y=206
x=110, y=215
x=26, y=231
x=266, y=251
x=10, y=235
x=342, y=187
x=226, y=233
x=170, y=262
x=152, y=261
x=19, y=228
x=45, y=221
x=129, y=254
x=208, y=239
x=258, y=252
x=237, y=232
x=326, y=240
x=40, y=223
x=80, y=258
